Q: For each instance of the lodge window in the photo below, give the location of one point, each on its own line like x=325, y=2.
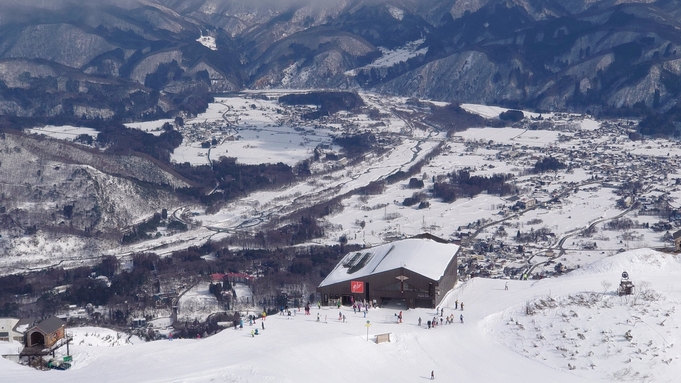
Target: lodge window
x=407, y=287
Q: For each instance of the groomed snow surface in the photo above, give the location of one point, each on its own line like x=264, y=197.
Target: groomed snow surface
x=575, y=332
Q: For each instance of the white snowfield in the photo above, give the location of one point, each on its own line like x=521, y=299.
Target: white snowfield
x=576, y=333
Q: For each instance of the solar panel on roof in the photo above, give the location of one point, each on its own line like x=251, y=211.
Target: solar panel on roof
x=360, y=263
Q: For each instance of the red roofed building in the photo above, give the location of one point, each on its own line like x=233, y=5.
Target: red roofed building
x=217, y=277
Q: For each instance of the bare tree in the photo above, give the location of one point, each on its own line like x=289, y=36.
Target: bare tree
x=606, y=285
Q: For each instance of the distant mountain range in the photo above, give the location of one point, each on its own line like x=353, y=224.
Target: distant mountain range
x=141, y=59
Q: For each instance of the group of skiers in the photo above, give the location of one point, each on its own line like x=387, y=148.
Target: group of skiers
x=357, y=307
x=449, y=319
x=286, y=311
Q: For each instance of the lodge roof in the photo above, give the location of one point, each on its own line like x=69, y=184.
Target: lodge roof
x=49, y=325
x=423, y=256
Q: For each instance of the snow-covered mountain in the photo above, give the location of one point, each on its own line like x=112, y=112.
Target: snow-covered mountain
x=138, y=59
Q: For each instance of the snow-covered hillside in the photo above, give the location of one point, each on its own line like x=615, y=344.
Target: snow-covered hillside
x=575, y=330
x=391, y=57
x=64, y=190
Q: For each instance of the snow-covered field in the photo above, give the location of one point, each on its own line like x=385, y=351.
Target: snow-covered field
x=249, y=130
x=152, y=127
x=64, y=132
x=390, y=57
x=490, y=111
x=208, y=42
x=197, y=303
x=566, y=329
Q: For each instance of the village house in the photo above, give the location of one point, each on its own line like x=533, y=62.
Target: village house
x=8, y=330
x=526, y=203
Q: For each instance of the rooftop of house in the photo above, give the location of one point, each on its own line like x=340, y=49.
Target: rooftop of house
x=50, y=325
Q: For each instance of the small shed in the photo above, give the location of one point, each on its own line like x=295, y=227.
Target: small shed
x=45, y=334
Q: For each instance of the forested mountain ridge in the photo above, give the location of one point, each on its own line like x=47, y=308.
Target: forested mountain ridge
x=144, y=59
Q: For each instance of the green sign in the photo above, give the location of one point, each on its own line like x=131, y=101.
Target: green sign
x=68, y=358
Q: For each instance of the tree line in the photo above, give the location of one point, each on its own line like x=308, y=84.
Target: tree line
x=461, y=184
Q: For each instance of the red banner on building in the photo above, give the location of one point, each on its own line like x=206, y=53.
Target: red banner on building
x=357, y=287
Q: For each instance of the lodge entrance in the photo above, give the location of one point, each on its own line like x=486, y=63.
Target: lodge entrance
x=37, y=339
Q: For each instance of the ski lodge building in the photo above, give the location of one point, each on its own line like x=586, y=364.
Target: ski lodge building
x=45, y=334
x=414, y=272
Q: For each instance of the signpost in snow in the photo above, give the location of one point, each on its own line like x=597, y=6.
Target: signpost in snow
x=368, y=325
